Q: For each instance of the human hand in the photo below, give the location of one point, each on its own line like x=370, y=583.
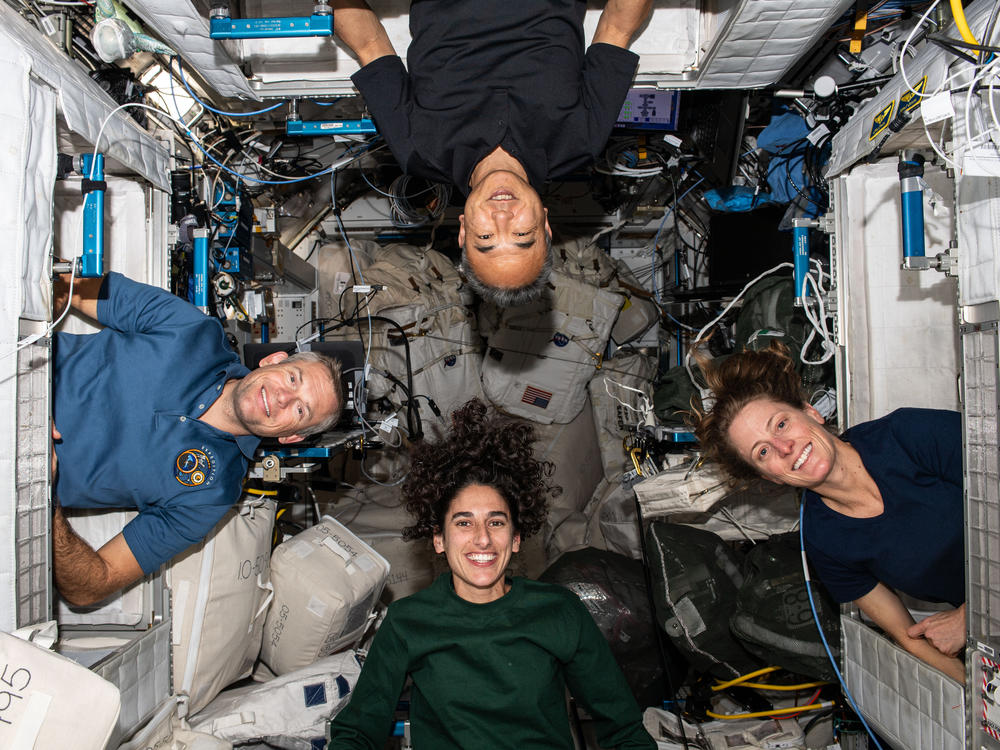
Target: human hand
x=943, y=630
x=60, y=295
x=56, y=435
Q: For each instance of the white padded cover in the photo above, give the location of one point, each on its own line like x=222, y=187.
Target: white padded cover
x=764, y=39
x=181, y=26
x=326, y=583
x=287, y=712
x=541, y=355
x=906, y=700
x=141, y=671
x=82, y=103
x=616, y=408
x=125, y=607
x=220, y=590
x=51, y=701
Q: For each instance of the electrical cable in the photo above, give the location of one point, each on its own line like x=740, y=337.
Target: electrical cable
x=774, y=712
x=209, y=107
x=958, y=12
x=707, y=326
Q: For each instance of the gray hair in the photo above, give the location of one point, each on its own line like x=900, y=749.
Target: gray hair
x=333, y=370
x=510, y=296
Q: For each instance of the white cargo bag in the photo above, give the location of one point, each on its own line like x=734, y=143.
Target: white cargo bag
x=376, y=515
x=49, y=701
x=167, y=731
x=288, y=712
x=614, y=509
x=221, y=587
x=622, y=396
x=542, y=355
x=701, y=495
x=573, y=451
x=326, y=583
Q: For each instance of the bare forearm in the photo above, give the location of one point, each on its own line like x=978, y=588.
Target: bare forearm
x=82, y=576
x=85, y=293
x=359, y=28
x=924, y=651
x=621, y=20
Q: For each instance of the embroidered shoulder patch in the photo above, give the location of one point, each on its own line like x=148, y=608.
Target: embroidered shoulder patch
x=193, y=467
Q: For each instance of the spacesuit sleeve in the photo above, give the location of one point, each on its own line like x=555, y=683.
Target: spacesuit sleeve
x=131, y=307
x=365, y=723
x=595, y=679
x=385, y=86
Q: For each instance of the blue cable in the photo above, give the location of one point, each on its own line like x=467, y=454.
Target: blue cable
x=819, y=627
x=209, y=107
x=245, y=178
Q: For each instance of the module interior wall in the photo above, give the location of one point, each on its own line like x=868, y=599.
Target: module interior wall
x=908, y=702
x=982, y=480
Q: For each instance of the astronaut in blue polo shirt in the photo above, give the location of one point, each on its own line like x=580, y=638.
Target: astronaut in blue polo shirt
x=155, y=412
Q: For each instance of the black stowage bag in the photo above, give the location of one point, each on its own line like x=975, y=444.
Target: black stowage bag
x=772, y=617
x=613, y=589
x=695, y=580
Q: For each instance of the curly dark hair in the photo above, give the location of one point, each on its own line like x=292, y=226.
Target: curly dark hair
x=735, y=382
x=481, y=448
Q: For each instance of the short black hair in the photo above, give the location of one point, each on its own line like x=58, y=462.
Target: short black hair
x=510, y=296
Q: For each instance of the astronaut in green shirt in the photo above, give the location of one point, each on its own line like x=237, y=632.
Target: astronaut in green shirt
x=490, y=656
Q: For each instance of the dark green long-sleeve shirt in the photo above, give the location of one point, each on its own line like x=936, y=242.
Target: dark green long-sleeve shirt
x=490, y=675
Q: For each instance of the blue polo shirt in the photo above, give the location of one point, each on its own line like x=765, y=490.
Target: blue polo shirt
x=127, y=401
x=916, y=545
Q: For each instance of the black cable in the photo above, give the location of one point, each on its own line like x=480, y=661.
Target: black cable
x=949, y=46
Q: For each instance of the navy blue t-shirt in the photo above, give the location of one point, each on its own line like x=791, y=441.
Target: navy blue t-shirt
x=127, y=402
x=917, y=544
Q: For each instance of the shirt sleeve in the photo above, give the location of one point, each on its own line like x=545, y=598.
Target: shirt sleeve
x=607, y=75
x=385, y=86
x=846, y=583
x=365, y=723
x=160, y=532
x=596, y=680
x=131, y=307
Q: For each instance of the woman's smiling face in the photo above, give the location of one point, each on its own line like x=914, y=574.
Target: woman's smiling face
x=478, y=538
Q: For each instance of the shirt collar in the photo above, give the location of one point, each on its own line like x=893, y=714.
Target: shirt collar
x=247, y=444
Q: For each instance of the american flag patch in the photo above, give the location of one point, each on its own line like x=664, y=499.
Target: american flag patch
x=536, y=397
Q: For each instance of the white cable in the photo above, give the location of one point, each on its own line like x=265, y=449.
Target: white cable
x=818, y=324
x=717, y=318
x=29, y=340
x=646, y=409
x=909, y=39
